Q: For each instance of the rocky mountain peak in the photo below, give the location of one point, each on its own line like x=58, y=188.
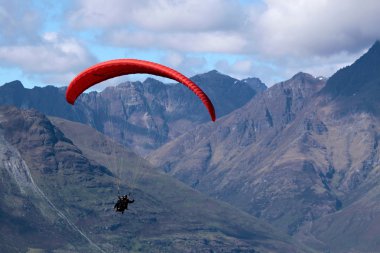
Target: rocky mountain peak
x=360, y=75
x=213, y=75
x=376, y=46
x=151, y=80
x=301, y=76
x=372, y=57
x=255, y=83
x=213, y=72
x=154, y=86
x=303, y=84
x=16, y=84
x=305, y=81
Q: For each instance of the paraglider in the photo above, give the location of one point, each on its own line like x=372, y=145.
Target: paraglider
x=122, y=204
x=113, y=68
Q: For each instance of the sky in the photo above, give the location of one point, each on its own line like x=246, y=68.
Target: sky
x=49, y=42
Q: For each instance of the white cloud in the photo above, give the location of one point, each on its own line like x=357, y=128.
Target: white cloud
x=174, y=59
x=54, y=56
x=186, y=64
x=180, y=25
x=313, y=36
x=157, y=15
x=217, y=42
x=40, y=56
x=18, y=22
x=319, y=27
x=50, y=36
x=273, y=28
x=321, y=65
x=238, y=69
x=272, y=39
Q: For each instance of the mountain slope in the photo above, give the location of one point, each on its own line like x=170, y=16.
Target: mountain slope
x=354, y=108
x=72, y=197
x=141, y=115
x=161, y=187
x=298, y=155
x=30, y=212
x=355, y=88
x=239, y=158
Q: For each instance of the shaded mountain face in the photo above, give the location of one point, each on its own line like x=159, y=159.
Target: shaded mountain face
x=60, y=185
x=302, y=155
x=356, y=88
x=141, y=115
x=357, y=77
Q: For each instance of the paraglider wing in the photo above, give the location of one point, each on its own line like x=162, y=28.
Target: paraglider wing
x=109, y=69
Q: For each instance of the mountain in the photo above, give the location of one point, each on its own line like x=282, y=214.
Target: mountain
x=355, y=88
x=363, y=74
x=255, y=84
x=140, y=115
x=36, y=163
x=351, y=103
x=303, y=155
x=58, y=187
x=239, y=159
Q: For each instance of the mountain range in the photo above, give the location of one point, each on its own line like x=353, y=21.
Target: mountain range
x=140, y=115
x=301, y=155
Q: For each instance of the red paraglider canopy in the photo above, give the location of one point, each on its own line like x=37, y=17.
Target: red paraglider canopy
x=109, y=69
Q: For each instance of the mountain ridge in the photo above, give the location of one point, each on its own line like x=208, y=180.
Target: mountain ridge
x=148, y=113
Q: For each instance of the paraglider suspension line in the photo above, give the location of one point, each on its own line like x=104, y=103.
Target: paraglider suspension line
x=118, y=187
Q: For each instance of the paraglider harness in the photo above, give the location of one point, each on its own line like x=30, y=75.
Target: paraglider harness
x=122, y=203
